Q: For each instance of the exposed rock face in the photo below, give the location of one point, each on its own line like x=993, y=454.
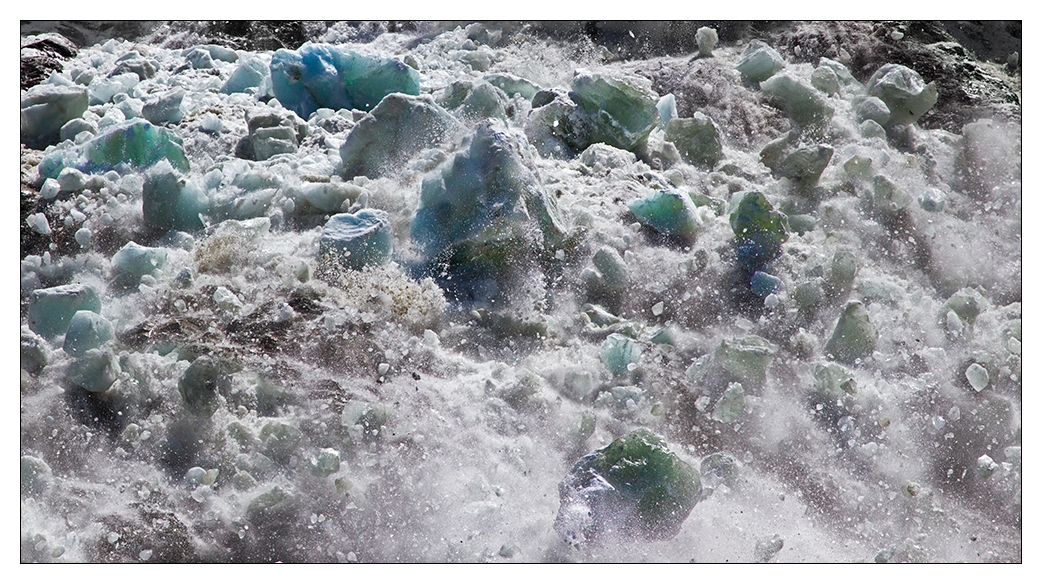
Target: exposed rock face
x=43, y=54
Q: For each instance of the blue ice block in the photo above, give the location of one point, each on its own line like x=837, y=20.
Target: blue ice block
x=87, y=330
x=358, y=240
x=51, y=309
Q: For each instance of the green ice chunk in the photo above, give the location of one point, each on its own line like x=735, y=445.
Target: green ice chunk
x=871, y=108
x=200, y=385
x=280, y=440
x=759, y=61
x=621, y=108
x=804, y=105
x=324, y=462
x=767, y=548
x=805, y=163
x=619, y=353
x=826, y=80
x=905, y=93
x=745, y=359
x=397, y=129
x=95, y=371
x=136, y=143
x=668, y=212
x=834, y=381
x=888, y=197
x=51, y=309
x=87, y=330
x=759, y=231
x=358, y=240
x=842, y=271
x=697, y=139
x=978, y=377
x=730, y=405
x=854, y=336
x=632, y=489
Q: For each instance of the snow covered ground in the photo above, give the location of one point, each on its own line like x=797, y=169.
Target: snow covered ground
x=256, y=400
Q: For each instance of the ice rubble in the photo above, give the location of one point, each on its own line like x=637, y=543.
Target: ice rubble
x=400, y=288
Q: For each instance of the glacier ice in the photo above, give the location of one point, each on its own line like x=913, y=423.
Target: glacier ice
x=358, y=240
x=46, y=108
x=51, y=309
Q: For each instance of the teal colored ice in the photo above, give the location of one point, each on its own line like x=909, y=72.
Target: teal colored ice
x=137, y=144
x=358, y=240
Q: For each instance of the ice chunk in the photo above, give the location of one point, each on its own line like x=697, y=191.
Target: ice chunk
x=932, y=200
x=35, y=476
x=633, y=489
x=706, y=38
x=620, y=354
x=600, y=157
x=75, y=127
x=133, y=261
x=759, y=231
x=198, y=58
x=621, y=108
x=483, y=212
x=745, y=359
x=165, y=107
x=730, y=405
x=985, y=467
x=201, y=384
x=250, y=74
x=977, y=376
x=320, y=75
x=842, y=271
x=95, y=371
x=887, y=197
x=397, y=129
x=33, y=352
x=796, y=161
x=667, y=110
x=136, y=143
x=512, y=84
x=39, y=223
x=719, y=468
x=825, y=80
x=51, y=309
x=87, y=330
x=474, y=100
x=327, y=197
x=764, y=284
x=668, y=212
x=759, y=61
x=905, y=93
x=871, y=108
x=358, y=240
x=324, y=462
x=803, y=105
x=767, y=548
x=46, y=108
x=170, y=202
x=854, y=337
x=609, y=276
x=697, y=139
x=273, y=131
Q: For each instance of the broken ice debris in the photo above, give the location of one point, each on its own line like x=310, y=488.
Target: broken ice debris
x=46, y=108
x=633, y=489
x=967, y=303
x=667, y=110
x=200, y=385
x=95, y=371
x=887, y=197
x=697, y=139
x=325, y=462
x=854, y=337
x=474, y=100
x=719, y=468
x=985, y=467
x=977, y=376
x=51, y=309
x=905, y=93
x=621, y=108
x=358, y=240
x=759, y=61
x=759, y=231
x=321, y=75
x=871, y=108
x=763, y=284
x=397, y=129
x=608, y=278
x=33, y=352
x=35, y=476
x=483, y=212
x=803, y=105
x=87, y=330
x=512, y=85
x=133, y=261
x=136, y=143
x=620, y=354
x=670, y=213
x=168, y=201
x=825, y=80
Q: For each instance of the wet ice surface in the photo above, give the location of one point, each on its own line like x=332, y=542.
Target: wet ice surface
x=839, y=358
